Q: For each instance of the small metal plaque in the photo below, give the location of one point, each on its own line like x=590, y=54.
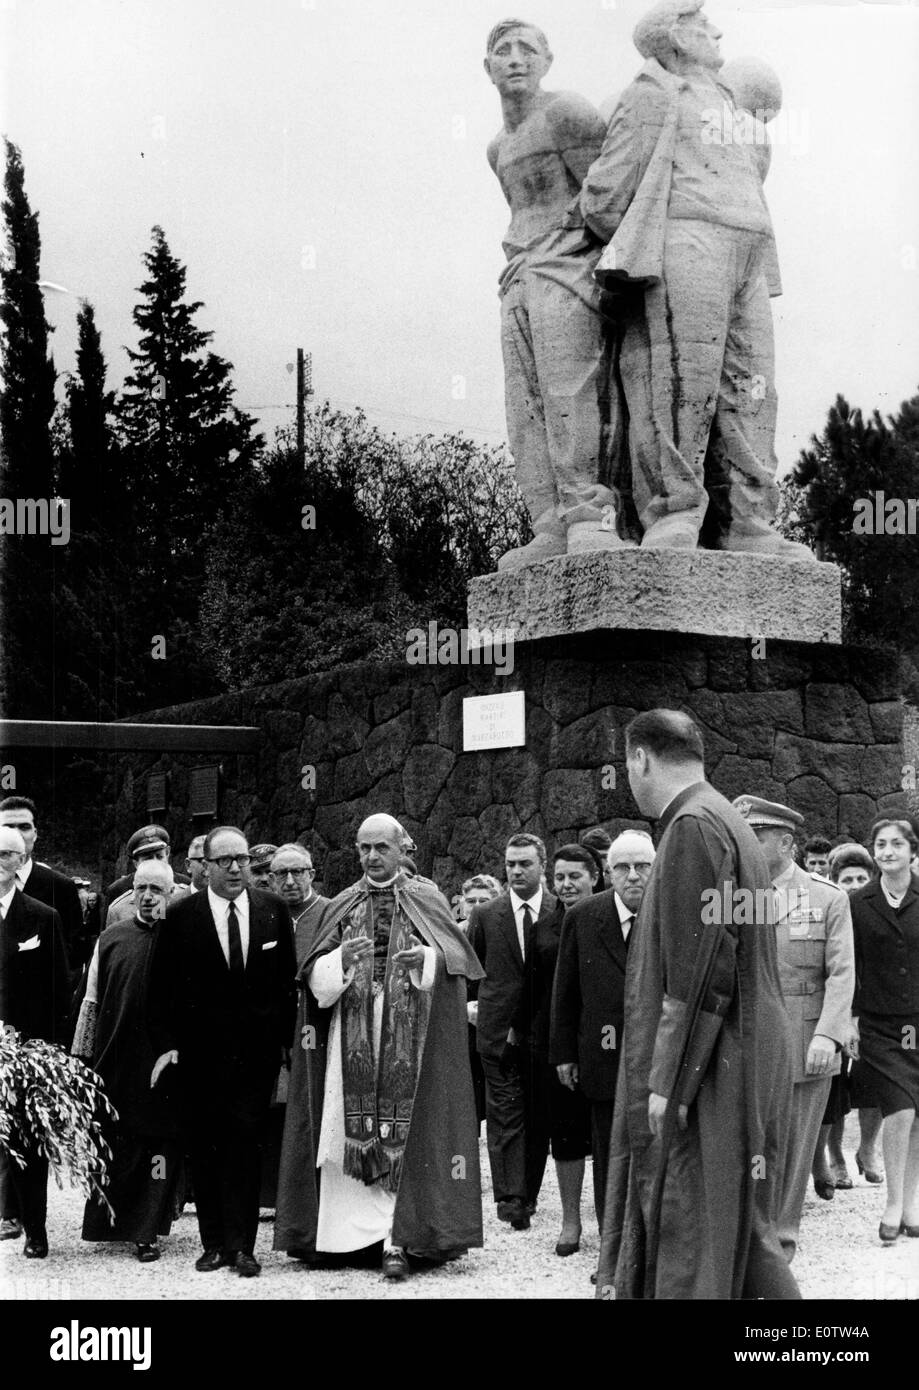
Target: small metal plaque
x=203, y=791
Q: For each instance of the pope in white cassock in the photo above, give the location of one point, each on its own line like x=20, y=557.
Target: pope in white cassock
x=381, y=1139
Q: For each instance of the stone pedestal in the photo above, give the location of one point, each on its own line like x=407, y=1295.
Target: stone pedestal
x=715, y=593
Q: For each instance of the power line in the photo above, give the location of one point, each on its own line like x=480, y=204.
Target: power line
x=384, y=410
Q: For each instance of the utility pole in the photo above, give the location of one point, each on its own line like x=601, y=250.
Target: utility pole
x=304, y=389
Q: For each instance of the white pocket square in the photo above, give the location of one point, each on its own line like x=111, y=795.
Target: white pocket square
x=268, y=945
x=29, y=945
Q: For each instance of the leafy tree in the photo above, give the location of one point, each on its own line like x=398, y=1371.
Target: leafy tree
x=833, y=487
x=400, y=528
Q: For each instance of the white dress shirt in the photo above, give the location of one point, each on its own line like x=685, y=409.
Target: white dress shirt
x=6, y=900
x=220, y=908
x=518, y=904
x=22, y=875
x=626, y=917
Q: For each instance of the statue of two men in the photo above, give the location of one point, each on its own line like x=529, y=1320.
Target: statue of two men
x=669, y=219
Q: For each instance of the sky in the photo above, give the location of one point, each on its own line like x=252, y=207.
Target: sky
x=320, y=169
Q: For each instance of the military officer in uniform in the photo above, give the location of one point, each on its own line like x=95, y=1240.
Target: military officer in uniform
x=816, y=952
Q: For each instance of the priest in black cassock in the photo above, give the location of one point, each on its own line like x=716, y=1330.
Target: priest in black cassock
x=112, y=1036
x=704, y=1090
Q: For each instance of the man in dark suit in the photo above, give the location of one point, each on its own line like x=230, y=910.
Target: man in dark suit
x=35, y=1000
x=46, y=885
x=221, y=1011
x=509, y=936
x=587, y=999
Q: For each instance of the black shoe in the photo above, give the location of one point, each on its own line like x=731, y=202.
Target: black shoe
x=395, y=1264
x=36, y=1247
x=888, y=1234
x=520, y=1216
x=211, y=1259
x=10, y=1228
x=146, y=1251
x=506, y=1208
x=246, y=1265
x=824, y=1189
x=567, y=1247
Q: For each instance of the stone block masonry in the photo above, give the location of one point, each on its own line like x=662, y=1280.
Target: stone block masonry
x=818, y=727
x=701, y=591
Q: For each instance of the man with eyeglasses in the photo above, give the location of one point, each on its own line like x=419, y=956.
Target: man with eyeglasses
x=221, y=1010
x=587, y=998
x=292, y=876
x=35, y=1000
x=194, y=865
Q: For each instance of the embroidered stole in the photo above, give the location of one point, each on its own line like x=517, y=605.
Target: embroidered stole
x=379, y=1090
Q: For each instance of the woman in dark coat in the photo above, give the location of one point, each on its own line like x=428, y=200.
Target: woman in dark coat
x=885, y=918
x=851, y=867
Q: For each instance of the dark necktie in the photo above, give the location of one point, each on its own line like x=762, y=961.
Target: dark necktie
x=628, y=927
x=237, y=964
x=529, y=932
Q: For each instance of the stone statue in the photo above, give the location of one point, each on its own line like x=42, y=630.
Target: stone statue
x=691, y=254
x=556, y=362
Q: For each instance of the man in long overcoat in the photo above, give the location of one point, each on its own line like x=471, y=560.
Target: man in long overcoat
x=704, y=1089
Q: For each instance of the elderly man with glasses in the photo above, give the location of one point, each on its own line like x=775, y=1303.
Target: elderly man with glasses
x=292, y=875
x=291, y=878
x=221, y=1011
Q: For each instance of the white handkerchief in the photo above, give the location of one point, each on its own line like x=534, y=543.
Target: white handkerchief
x=29, y=945
x=268, y=945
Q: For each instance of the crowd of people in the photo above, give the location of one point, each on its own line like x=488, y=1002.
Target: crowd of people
x=695, y=1008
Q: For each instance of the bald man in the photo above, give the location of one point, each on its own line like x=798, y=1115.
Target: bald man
x=587, y=997
x=381, y=1098
x=112, y=1036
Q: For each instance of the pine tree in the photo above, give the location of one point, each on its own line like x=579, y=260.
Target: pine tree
x=96, y=645
x=26, y=410
x=187, y=453
x=27, y=400
x=88, y=467
x=189, y=447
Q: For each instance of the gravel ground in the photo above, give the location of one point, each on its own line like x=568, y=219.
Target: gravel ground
x=840, y=1257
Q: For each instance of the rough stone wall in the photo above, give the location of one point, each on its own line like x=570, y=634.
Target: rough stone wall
x=818, y=728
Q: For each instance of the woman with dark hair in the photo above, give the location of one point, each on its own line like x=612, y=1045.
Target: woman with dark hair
x=885, y=918
x=481, y=888
x=850, y=867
